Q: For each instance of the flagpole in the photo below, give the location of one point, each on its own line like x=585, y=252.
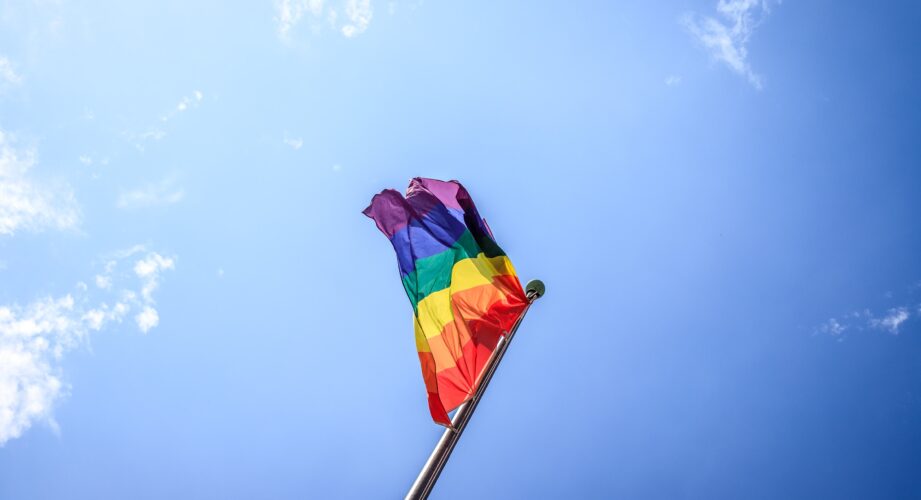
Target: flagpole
x=423, y=485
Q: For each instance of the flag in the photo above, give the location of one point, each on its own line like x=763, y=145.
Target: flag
x=463, y=289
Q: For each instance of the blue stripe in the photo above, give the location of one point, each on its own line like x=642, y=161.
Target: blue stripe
x=436, y=232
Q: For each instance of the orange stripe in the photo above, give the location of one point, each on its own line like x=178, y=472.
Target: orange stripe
x=435, y=310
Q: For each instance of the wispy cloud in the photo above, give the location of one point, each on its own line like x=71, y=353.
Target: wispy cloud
x=156, y=131
x=187, y=102
x=140, y=141
x=672, y=80
x=727, y=39
x=8, y=75
x=37, y=21
x=35, y=337
x=359, y=14
x=288, y=13
x=832, y=327
x=294, y=142
x=103, y=281
x=164, y=192
x=892, y=320
x=148, y=270
x=25, y=203
x=194, y=100
x=356, y=16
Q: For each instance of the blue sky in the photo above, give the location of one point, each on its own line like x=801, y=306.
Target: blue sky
x=720, y=196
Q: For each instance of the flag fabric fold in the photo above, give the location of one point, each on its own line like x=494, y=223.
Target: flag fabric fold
x=464, y=292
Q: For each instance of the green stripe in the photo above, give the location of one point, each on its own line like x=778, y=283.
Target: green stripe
x=433, y=273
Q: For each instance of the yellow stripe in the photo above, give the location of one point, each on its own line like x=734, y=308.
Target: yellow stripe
x=434, y=311
x=422, y=344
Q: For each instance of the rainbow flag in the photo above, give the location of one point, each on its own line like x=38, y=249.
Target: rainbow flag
x=463, y=289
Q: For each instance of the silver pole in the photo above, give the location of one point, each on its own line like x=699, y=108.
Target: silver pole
x=423, y=485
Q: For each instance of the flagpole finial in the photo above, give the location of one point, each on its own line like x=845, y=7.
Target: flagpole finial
x=535, y=289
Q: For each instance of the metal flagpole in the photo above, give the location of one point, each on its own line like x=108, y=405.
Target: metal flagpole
x=423, y=485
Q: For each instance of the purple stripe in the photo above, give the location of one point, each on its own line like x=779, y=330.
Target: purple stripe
x=389, y=211
x=427, y=222
x=445, y=192
x=392, y=212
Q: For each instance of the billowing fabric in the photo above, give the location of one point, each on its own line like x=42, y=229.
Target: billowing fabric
x=463, y=289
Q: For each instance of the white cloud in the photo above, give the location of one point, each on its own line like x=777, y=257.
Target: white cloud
x=35, y=337
x=156, y=131
x=891, y=321
x=150, y=266
x=196, y=98
x=123, y=254
x=295, y=143
x=185, y=103
x=314, y=6
x=672, y=80
x=104, y=282
x=359, y=14
x=164, y=192
x=38, y=23
x=86, y=160
x=148, y=271
x=153, y=134
x=832, y=327
x=727, y=39
x=26, y=203
x=140, y=140
x=147, y=319
x=94, y=318
x=8, y=75
x=290, y=13
x=103, y=314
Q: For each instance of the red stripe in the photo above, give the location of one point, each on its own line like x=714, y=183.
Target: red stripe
x=456, y=384
x=481, y=316
x=436, y=408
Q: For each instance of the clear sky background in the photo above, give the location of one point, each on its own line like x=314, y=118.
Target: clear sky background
x=722, y=199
